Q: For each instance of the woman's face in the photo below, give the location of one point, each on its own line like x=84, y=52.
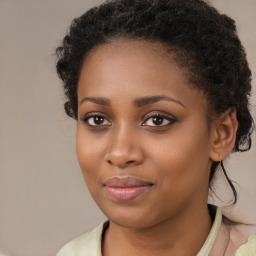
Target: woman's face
x=143, y=142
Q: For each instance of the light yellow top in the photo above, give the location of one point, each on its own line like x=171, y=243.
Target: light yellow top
x=89, y=244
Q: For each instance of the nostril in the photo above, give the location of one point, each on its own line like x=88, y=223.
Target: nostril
x=123, y=159
x=130, y=162
x=123, y=164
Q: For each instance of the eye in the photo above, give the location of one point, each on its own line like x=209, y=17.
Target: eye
x=95, y=119
x=158, y=119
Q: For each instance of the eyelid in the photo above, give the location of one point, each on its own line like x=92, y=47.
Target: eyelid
x=158, y=113
x=92, y=114
x=165, y=115
x=146, y=117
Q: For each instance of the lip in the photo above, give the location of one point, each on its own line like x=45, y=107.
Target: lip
x=126, y=188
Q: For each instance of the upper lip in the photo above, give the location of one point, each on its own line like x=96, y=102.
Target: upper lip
x=126, y=181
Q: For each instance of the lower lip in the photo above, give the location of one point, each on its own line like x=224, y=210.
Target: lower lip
x=126, y=194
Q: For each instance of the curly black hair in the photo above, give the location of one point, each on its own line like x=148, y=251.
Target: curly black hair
x=205, y=44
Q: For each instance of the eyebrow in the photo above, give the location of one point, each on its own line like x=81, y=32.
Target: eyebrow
x=137, y=102
x=153, y=99
x=97, y=100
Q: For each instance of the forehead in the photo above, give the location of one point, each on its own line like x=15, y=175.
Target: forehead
x=130, y=68
x=130, y=46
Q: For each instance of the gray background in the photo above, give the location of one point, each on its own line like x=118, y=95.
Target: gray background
x=44, y=202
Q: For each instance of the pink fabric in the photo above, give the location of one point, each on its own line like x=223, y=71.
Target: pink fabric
x=230, y=237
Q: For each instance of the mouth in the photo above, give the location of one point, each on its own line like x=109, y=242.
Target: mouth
x=126, y=188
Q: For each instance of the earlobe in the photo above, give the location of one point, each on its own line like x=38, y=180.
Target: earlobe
x=224, y=135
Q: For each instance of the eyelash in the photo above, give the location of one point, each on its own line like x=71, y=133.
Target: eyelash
x=171, y=120
x=92, y=115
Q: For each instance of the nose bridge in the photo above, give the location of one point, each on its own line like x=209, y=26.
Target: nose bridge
x=124, y=148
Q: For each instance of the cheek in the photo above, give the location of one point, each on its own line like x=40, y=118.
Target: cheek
x=89, y=154
x=183, y=159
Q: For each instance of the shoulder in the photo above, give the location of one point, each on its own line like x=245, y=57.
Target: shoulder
x=248, y=249
x=233, y=238
x=88, y=244
x=242, y=238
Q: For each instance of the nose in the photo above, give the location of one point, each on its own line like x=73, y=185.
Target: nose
x=124, y=149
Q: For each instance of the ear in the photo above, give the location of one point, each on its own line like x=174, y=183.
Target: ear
x=223, y=135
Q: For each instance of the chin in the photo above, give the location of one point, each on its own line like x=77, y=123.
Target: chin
x=131, y=217
x=131, y=223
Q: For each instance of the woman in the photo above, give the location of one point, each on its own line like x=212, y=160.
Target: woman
x=160, y=93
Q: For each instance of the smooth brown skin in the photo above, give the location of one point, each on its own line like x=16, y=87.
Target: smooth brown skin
x=172, y=218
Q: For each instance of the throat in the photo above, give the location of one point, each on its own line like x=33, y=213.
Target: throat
x=171, y=237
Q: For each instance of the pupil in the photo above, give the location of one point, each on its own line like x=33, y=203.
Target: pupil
x=157, y=120
x=98, y=120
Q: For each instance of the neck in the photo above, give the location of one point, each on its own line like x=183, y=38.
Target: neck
x=190, y=228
